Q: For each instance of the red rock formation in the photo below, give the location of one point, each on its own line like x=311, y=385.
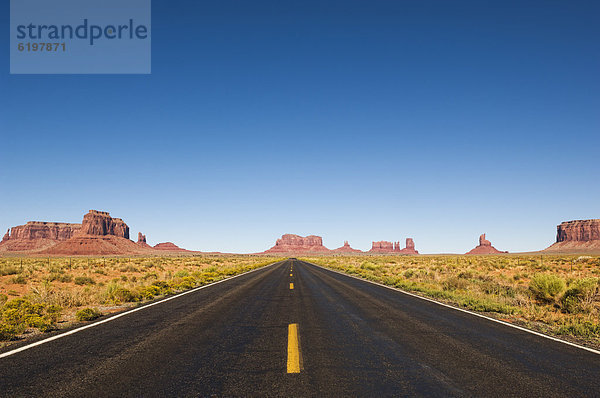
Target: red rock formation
x=142, y=241
x=101, y=223
x=36, y=235
x=578, y=231
x=44, y=230
x=577, y=236
x=290, y=243
x=96, y=245
x=382, y=246
x=98, y=234
x=389, y=247
x=346, y=249
x=168, y=246
x=484, y=247
x=410, y=247
x=483, y=241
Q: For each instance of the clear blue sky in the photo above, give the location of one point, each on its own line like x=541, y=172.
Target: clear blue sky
x=359, y=121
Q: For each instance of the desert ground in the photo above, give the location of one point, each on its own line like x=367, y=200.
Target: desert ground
x=41, y=294
x=554, y=294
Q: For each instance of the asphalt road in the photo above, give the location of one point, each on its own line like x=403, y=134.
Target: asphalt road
x=354, y=339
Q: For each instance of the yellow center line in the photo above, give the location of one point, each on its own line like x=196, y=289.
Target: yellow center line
x=291, y=286
x=293, y=359
x=290, y=274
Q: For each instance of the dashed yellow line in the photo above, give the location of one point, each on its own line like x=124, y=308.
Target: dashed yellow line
x=291, y=286
x=293, y=359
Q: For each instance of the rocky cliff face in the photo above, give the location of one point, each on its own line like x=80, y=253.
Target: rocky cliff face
x=577, y=236
x=101, y=223
x=578, y=231
x=382, y=246
x=389, y=247
x=142, y=241
x=43, y=230
x=290, y=243
x=35, y=235
x=484, y=247
x=410, y=247
x=38, y=235
x=295, y=240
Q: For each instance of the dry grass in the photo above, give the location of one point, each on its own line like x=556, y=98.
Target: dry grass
x=555, y=294
x=43, y=293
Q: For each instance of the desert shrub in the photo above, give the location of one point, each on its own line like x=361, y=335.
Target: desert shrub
x=497, y=289
x=369, y=266
x=19, y=314
x=149, y=292
x=84, y=280
x=583, y=329
x=580, y=295
x=88, y=314
x=181, y=274
x=455, y=283
x=118, y=294
x=186, y=283
x=8, y=270
x=409, y=273
x=150, y=275
x=164, y=287
x=466, y=274
x=19, y=279
x=59, y=277
x=486, y=305
x=7, y=332
x=546, y=287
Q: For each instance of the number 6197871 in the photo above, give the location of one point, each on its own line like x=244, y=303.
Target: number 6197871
x=48, y=47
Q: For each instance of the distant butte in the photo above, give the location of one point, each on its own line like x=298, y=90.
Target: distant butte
x=98, y=234
x=142, y=241
x=385, y=247
x=578, y=236
x=484, y=247
x=168, y=246
x=290, y=243
x=410, y=247
x=346, y=249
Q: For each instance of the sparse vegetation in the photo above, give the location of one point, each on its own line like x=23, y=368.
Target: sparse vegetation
x=554, y=294
x=38, y=293
x=547, y=287
x=88, y=314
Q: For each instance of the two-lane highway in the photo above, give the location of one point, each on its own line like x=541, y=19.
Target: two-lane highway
x=295, y=329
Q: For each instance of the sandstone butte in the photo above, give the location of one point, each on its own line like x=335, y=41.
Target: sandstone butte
x=577, y=236
x=293, y=244
x=385, y=247
x=98, y=234
x=142, y=241
x=290, y=243
x=346, y=248
x=484, y=247
x=168, y=246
